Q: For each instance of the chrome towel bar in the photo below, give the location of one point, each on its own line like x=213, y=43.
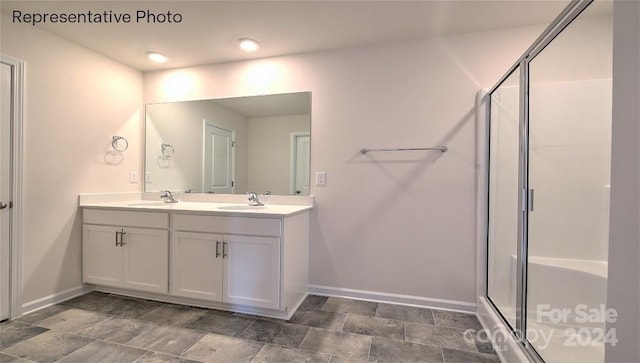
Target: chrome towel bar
x=442, y=148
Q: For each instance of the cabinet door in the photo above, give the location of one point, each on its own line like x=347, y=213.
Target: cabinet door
x=195, y=270
x=252, y=271
x=102, y=259
x=146, y=260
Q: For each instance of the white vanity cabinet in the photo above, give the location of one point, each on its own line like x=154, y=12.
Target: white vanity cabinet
x=235, y=260
x=226, y=256
x=126, y=249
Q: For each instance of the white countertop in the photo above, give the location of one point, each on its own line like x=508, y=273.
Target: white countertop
x=237, y=209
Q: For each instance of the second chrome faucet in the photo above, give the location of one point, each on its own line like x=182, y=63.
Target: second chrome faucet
x=253, y=199
x=167, y=196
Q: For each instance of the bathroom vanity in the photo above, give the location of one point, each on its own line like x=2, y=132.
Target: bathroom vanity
x=215, y=253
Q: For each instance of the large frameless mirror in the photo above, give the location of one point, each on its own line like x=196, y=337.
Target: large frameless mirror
x=231, y=145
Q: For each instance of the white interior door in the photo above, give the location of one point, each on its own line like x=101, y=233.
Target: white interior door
x=5, y=188
x=300, y=156
x=219, y=159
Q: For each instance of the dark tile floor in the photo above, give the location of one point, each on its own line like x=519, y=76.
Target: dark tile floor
x=100, y=327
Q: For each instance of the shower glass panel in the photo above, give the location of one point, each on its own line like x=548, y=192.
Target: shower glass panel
x=503, y=200
x=569, y=154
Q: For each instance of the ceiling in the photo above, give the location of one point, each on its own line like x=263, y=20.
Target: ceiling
x=209, y=30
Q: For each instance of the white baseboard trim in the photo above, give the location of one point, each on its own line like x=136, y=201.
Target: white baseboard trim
x=56, y=298
x=397, y=299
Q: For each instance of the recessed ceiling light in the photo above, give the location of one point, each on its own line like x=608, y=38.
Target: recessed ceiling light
x=157, y=57
x=248, y=45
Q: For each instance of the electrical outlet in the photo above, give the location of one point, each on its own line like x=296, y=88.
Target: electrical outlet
x=133, y=177
x=147, y=177
x=321, y=178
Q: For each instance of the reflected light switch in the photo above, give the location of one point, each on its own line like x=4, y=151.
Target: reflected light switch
x=133, y=177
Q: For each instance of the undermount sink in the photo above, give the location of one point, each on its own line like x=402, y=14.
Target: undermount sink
x=242, y=207
x=150, y=204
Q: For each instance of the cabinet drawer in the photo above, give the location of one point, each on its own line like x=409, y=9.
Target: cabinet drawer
x=126, y=218
x=227, y=225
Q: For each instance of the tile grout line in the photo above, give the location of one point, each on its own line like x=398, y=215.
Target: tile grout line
x=305, y=337
x=325, y=303
x=11, y=355
x=369, y=352
x=405, y=331
x=344, y=322
x=258, y=353
x=433, y=316
x=245, y=329
x=191, y=346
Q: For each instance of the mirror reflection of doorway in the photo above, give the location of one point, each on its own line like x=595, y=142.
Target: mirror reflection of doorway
x=219, y=159
x=300, y=156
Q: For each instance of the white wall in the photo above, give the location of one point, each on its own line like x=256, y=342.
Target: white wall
x=570, y=168
x=570, y=141
x=270, y=151
x=400, y=223
x=75, y=101
x=181, y=125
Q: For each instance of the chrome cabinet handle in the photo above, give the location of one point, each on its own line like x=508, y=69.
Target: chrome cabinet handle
x=3, y=205
x=224, y=250
x=122, y=233
x=217, y=249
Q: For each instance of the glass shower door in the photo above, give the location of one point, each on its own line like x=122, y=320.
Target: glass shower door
x=569, y=153
x=503, y=197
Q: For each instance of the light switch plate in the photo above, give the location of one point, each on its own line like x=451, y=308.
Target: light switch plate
x=321, y=178
x=133, y=177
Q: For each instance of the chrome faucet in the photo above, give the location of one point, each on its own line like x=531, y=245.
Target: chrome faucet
x=167, y=196
x=253, y=199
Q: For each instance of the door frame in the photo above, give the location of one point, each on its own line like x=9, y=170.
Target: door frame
x=17, y=150
x=293, y=150
x=206, y=122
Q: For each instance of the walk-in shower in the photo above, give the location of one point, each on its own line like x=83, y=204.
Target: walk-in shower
x=548, y=134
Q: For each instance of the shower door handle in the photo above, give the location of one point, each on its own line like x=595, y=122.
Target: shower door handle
x=530, y=200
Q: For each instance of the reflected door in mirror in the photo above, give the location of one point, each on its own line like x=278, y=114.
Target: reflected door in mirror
x=300, y=154
x=219, y=146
